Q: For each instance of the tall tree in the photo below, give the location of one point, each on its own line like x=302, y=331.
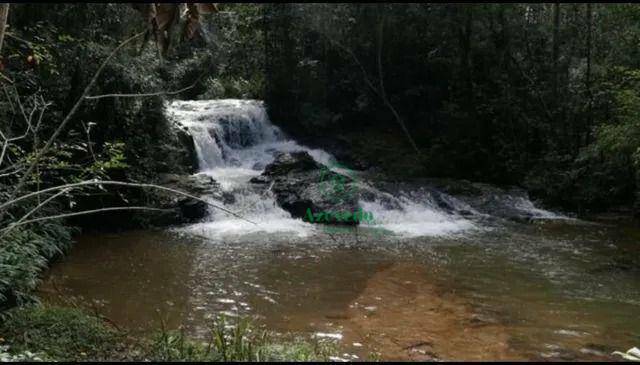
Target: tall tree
x=4, y=13
x=588, y=74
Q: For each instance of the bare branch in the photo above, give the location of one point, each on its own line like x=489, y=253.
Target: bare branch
x=4, y=150
x=84, y=212
x=119, y=183
x=159, y=93
x=6, y=93
x=28, y=120
x=64, y=122
x=383, y=93
x=13, y=36
x=4, y=13
x=5, y=78
x=17, y=170
x=378, y=90
x=24, y=217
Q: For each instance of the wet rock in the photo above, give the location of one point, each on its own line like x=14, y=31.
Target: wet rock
x=228, y=198
x=442, y=202
x=188, y=152
x=510, y=203
x=198, y=184
x=183, y=209
x=291, y=162
x=464, y=198
x=259, y=180
x=308, y=190
x=341, y=147
x=192, y=209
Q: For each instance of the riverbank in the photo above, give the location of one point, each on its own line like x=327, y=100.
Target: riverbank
x=53, y=333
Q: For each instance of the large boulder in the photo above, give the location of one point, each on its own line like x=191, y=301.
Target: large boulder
x=183, y=209
x=310, y=190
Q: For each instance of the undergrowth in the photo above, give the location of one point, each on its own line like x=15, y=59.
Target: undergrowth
x=52, y=333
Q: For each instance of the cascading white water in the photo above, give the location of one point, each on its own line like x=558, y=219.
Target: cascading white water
x=235, y=140
x=413, y=217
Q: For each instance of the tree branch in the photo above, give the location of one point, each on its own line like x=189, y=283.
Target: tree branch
x=159, y=93
x=84, y=212
x=383, y=90
x=64, y=122
x=378, y=90
x=24, y=217
x=4, y=13
x=119, y=183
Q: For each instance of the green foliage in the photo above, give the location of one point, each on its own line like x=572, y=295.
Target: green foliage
x=70, y=334
x=605, y=172
x=24, y=253
x=62, y=334
x=622, y=136
x=489, y=92
x=297, y=349
x=237, y=39
x=235, y=340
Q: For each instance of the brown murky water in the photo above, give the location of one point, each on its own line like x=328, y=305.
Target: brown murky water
x=560, y=291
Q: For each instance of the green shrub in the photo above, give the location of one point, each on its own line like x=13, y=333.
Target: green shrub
x=24, y=253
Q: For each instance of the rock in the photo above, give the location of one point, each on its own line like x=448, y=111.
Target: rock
x=510, y=203
x=461, y=197
x=291, y=162
x=189, y=154
x=310, y=191
x=199, y=184
x=192, y=209
x=183, y=208
x=259, y=180
x=441, y=201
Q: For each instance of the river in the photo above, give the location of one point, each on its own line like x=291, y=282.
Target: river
x=419, y=283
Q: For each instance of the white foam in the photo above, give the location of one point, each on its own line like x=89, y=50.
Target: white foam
x=234, y=141
x=413, y=219
x=527, y=205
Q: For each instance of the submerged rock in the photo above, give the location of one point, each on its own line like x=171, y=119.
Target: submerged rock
x=309, y=190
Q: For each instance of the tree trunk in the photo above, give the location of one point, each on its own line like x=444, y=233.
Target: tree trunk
x=588, y=76
x=4, y=13
x=465, y=62
x=554, y=129
x=556, y=47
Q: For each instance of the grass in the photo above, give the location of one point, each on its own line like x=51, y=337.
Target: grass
x=57, y=333
x=70, y=334
x=236, y=340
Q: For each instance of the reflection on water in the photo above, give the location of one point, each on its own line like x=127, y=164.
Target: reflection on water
x=553, y=290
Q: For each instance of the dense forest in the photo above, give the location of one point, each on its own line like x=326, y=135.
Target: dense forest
x=544, y=97
x=535, y=95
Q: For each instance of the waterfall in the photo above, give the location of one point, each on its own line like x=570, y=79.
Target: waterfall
x=235, y=140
